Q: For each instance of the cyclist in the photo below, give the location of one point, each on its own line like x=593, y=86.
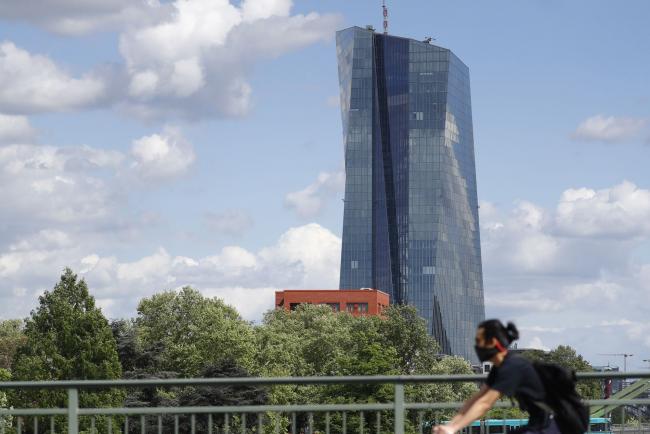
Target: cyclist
x=511, y=375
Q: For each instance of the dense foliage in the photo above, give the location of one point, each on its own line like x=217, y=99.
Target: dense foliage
x=12, y=336
x=66, y=338
x=184, y=334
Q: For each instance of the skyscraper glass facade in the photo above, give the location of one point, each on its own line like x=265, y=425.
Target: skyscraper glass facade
x=410, y=224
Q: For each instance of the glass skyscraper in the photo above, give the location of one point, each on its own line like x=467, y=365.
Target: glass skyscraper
x=410, y=224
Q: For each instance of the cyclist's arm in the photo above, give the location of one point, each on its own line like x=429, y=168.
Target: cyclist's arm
x=484, y=388
x=475, y=410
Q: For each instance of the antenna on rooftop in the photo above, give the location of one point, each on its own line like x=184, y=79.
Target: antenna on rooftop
x=385, y=9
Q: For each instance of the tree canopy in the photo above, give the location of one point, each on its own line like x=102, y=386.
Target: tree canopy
x=12, y=337
x=183, y=333
x=66, y=338
x=186, y=331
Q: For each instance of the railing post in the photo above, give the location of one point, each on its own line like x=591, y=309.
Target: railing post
x=399, y=408
x=73, y=411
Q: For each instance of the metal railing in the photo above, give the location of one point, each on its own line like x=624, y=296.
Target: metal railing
x=229, y=415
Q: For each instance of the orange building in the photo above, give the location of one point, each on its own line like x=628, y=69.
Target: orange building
x=356, y=301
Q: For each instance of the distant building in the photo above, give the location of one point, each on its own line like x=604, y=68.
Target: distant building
x=410, y=219
x=516, y=350
x=357, y=302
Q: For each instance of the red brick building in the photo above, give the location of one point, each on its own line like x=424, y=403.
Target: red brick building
x=356, y=301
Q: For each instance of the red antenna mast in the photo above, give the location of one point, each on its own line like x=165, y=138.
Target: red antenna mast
x=385, y=17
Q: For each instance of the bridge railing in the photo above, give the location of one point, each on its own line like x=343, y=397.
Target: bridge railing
x=374, y=417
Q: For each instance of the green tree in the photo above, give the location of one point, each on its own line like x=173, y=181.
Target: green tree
x=5, y=421
x=67, y=338
x=404, y=330
x=11, y=338
x=313, y=340
x=184, y=331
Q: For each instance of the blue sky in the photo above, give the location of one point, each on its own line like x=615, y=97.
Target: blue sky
x=198, y=142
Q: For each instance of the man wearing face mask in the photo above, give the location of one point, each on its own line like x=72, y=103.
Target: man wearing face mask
x=511, y=375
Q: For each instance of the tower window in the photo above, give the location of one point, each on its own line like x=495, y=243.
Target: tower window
x=429, y=270
x=355, y=265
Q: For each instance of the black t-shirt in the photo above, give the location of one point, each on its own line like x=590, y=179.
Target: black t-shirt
x=517, y=378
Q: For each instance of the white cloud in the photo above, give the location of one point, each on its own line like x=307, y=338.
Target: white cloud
x=253, y=10
x=51, y=184
x=15, y=129
x=537, y=344
x=195, y=61
x=230, y=222
x=162, y=156
x=620, y=211
x=33, y=83
x=558, y=297
x=310, y=201
x=303, y=257
x=529, y=239
x=75, y=17
x=46, y=239
x=575, y=274
x=318, y=251
x=52, y=193
x=251, y=303
x=610, y=129
x=184, y=58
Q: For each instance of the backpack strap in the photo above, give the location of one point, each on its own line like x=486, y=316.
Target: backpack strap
x=544, y=406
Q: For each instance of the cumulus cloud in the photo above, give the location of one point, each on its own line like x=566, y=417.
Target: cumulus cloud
x=82, y=189
x=537, y=344
x=230, y=222
x=34, y=83
x=74, y=17
x=196, y=61
x=52, y=184
x=569, y=274
x=162, y=156
x=620, y=211
x=530, y=239
x=611, y=129
x=15, y=129
x=303, y=257
x=310, y=201
x=185, y=58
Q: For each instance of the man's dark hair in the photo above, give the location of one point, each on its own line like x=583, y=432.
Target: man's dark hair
x=493, y=328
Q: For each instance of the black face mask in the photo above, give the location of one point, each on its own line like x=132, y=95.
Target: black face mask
x=485, y=354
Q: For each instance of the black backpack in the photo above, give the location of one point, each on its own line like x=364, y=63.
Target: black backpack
x=570, y=414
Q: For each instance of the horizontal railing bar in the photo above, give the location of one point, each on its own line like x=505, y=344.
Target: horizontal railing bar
x=446, y=405
x=403, y=379
x=504, y=404
x=33, y=411
x=608, y=402
x=248, y=409
x=169, y=382
x=317, y=408
x=617, y=374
